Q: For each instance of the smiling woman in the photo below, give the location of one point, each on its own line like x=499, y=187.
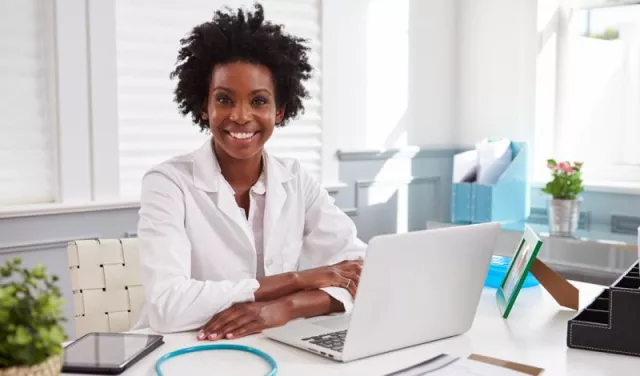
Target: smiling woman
x=242, y=109
x=222, y=229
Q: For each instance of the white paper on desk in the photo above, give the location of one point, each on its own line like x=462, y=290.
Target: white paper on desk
x=465, y=166
x=494, y=157
x=447, y=365
x=468, y=367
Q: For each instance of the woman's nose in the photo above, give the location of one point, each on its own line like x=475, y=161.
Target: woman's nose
x=241, y=114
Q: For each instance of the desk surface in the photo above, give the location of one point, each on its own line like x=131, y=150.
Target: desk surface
x=534, y=334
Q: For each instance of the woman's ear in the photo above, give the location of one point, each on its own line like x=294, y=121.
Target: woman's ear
x=279, y=115
x=204, y=115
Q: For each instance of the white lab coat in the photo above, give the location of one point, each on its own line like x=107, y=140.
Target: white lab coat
x=196, y=248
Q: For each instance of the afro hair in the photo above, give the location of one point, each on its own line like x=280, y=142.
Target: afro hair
x=233, y=36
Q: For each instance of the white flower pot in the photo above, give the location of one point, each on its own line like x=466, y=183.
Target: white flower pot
x=563, y=217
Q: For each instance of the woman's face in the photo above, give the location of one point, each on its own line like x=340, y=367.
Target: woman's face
x=241, y=108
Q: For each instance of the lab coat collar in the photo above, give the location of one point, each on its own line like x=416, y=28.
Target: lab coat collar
x=207, y=174
x=206, y=170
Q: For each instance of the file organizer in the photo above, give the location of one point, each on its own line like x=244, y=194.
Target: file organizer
x=610, y=323
x=507, y=200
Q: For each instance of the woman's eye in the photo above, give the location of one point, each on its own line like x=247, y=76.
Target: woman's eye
x=223, y=99
x=259, y=101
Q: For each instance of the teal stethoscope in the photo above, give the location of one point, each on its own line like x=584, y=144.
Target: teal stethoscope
x=249, y=349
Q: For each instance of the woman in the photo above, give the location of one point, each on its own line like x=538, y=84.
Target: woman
x=222, y=229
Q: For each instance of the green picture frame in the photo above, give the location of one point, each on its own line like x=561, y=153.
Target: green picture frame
x=524, y=257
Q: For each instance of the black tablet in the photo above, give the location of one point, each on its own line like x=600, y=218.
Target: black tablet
x=107, y=353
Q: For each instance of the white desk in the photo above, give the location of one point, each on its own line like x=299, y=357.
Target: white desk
x=534, y=334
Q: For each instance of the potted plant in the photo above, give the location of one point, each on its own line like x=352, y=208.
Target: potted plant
x=565, y=188
x=31, y=334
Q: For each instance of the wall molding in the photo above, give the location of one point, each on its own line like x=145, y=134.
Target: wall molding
x=40, y=246
x=624, y=224
x=363, y=184
x=32, y=210
x=409, y=152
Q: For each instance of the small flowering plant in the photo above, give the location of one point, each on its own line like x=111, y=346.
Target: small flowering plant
x=566, y=182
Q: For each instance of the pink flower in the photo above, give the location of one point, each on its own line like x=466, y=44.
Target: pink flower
x=565, y=167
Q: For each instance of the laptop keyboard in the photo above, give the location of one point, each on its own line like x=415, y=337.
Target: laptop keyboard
x=333, y=341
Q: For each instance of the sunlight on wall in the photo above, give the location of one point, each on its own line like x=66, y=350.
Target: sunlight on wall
x=546, y=13
x=597, y=91
x=598, y=107
x=546, y=60
x=387, y=73
x=387, y=100
x=630, y=34
x=391, y=187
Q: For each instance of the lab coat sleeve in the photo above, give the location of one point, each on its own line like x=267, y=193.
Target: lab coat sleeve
x=176, y=302
x=330, y=236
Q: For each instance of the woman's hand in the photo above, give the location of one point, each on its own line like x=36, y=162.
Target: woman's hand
x=247, y=318
x=345, y=274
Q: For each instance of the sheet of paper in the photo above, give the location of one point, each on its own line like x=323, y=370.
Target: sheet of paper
x=467, y=367
x=494, y=158
x=465, y=166
x=447, y=365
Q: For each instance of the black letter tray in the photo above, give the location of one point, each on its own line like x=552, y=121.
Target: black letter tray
x=611, y=323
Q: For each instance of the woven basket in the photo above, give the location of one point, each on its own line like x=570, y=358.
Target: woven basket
x=50, y=367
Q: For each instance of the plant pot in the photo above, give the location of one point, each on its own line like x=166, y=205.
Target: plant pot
x=563, y=217
x=50, y=367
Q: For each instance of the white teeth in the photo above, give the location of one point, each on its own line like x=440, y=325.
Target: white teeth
x=241, y=135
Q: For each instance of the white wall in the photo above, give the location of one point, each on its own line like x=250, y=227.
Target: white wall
x=433, y=78
x=461, y=71
x=393, y=81
x=344, y=81
x=497, y=50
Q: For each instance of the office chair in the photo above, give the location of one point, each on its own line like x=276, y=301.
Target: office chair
x=105, y=279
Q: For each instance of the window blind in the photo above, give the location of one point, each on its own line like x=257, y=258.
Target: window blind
x=150, y=128
x=26, y=126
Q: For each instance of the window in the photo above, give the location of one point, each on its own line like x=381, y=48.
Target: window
x=150, y=128
x=602, y=99
x=26, y=127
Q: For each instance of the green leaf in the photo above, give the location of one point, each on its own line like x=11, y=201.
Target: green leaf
x=4, y=314
x=30, y=316
x=21, y=336
x=57, y=335
x=39, y=272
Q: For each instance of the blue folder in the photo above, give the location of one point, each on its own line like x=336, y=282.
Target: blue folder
x=507, y=200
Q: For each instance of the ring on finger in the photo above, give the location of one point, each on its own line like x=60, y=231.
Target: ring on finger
x=348, y=284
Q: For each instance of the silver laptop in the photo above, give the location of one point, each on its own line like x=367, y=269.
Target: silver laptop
x=415, y=287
